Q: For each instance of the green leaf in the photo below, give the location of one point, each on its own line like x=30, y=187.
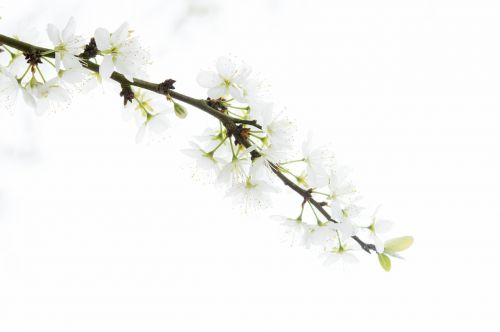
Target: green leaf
x=180, y=111
x=384, y=261
x=398, y=244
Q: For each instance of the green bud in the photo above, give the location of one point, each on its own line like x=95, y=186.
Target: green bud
x=180, y=111
x=398, y=244
x=385, y=262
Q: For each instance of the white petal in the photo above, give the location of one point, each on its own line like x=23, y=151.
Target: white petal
x=336, y=211
x=243, y=73
x=226, y=67
x=54, y=35
x=58, y=61
x=69, y=30
x=102, y=39
x=379, y=245
x=349, y=258
x=158, y=124
x=217, y=92
x=70, y=61
x=123, y=66
x=73, y=75
x=236, y=93
x=331, y=258
x=141, y=133
x=208, y=79
x=120, y=35
x=107, y=67
x=59, y=94
x=29, y=99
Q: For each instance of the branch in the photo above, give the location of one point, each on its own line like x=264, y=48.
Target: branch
x=228, y=121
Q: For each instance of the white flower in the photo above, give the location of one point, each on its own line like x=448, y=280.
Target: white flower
x=378, y=226
x=251, y=194
x=323, y=235
x=120, y=51
x=154, y=126
x=235, y=171
x=345, y=212
x=342, y=253
x=261, y=167
x=344, y=215
x=295, y=228
x=149, y=111
x=67, y=46
x=278, y=129
x=79, y=79
x=317, y=160
x=49, y=95
x=211, y=138
x=254, y=90
x=204, y=159
x=227, y=80
x=341, y=189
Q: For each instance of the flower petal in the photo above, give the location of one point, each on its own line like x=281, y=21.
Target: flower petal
x=208, y=79
x=141, y=133
x=217, y=92
x=226, y=67
x=70, y=61
x=58, y=61
x=158, y=124
x=54, y=34
x=107, y=67
x=69, y=30
x=102, y=39
x=120, y=35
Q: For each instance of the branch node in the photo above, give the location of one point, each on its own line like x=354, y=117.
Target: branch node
x=127, y=94
x=90, y=50
x=165, y=86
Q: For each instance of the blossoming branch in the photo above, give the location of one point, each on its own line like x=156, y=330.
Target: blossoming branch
x=250, y=148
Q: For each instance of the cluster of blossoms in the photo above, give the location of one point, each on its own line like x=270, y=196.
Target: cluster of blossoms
x=47, y=79
x=247, y=169
x=247, y=157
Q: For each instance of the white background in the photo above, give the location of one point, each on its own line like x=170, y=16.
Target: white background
x=100, y=234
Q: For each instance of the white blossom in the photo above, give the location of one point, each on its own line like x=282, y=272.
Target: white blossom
x=254, y=90
x=150, y=113
x=204, y=159
x=235, y=171
x=228, y=80
x=378, y=226
x=295, y=228
x=67, y=45
x=323, y=235
x=342, y=253
x=345, y=214
x=340, y=188
x=122, y=52
x=251, y=193
x=48, y=96
x=317, y=161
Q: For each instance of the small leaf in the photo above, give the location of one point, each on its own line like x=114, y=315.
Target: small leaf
x=384, y=261
x=180, y=111
x=398, y=244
